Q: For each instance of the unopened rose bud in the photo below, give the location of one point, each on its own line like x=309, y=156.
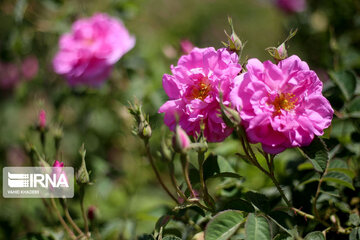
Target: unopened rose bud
x=186, y=46
x=58, y=164
x=143, y=128
x=91, y=213
x=82, y=175
x=181, y=140
x=234, y=43
x=279, y=53
x=42, y=119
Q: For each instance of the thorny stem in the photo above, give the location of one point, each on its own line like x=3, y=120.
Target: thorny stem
x=185, y=168
x=82, y=196
x=151, y=160
x=62, y=221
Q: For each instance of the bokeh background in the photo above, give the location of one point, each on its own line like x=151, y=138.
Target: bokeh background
x=125, y=194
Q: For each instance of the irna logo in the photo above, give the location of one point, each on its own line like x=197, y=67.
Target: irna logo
x=38, y=182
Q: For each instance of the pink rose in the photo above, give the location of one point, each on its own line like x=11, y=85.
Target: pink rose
x=291, y=6
x=89, y=51
x=193, y=90
x=281, y=106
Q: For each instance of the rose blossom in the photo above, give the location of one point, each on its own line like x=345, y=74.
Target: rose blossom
x=291, y=6
x=193, y=90
x=281, y=106
x=89, y=51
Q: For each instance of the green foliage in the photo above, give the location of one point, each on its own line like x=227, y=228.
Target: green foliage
x=224, y=225
x=315, y=236
x=257, y=227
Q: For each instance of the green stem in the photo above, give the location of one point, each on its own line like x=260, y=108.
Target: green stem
x=149, y=155
x=69, y=218
x=62, y=221
x=82, y=196
x=185, y=168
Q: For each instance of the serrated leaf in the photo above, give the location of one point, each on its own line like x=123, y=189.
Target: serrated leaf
x=339, y=178
x=315, y=236
x=346, y=81
x=317, y=153
x=239, y=204
x=257, y=227
x=259, y=200
x=224, y=225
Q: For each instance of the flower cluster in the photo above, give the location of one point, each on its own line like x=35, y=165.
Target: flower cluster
x=280, y=106
x=89, y=51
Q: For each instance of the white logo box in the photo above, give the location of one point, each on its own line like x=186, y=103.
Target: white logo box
x=38, y=182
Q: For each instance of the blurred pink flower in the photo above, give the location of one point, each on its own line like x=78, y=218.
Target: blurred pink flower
x=193, y=90
x=58, y=170
x=186, y=46
x=30, y=67
x=9, y=76
x=15, y=156
x=281, y=106
x=89, y=51
x=58, y=164
x=291, y=6
x=42, y=119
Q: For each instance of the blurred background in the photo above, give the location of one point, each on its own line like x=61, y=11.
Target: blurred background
x=125, y=198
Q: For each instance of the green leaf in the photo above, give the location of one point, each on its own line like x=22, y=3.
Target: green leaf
x=355, y=234
x=257, y=228
x=339, y=178
x=239, y=204
x=346, y=81
x=215, y=165
x=171, y=237
x=315, y=236
x=354, y=219
x=259, y=200
x=224, y=225
x=354, y=105
x=317, y=153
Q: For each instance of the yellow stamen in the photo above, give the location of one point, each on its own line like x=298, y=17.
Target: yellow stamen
x=201, y=91
x=285, y=102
